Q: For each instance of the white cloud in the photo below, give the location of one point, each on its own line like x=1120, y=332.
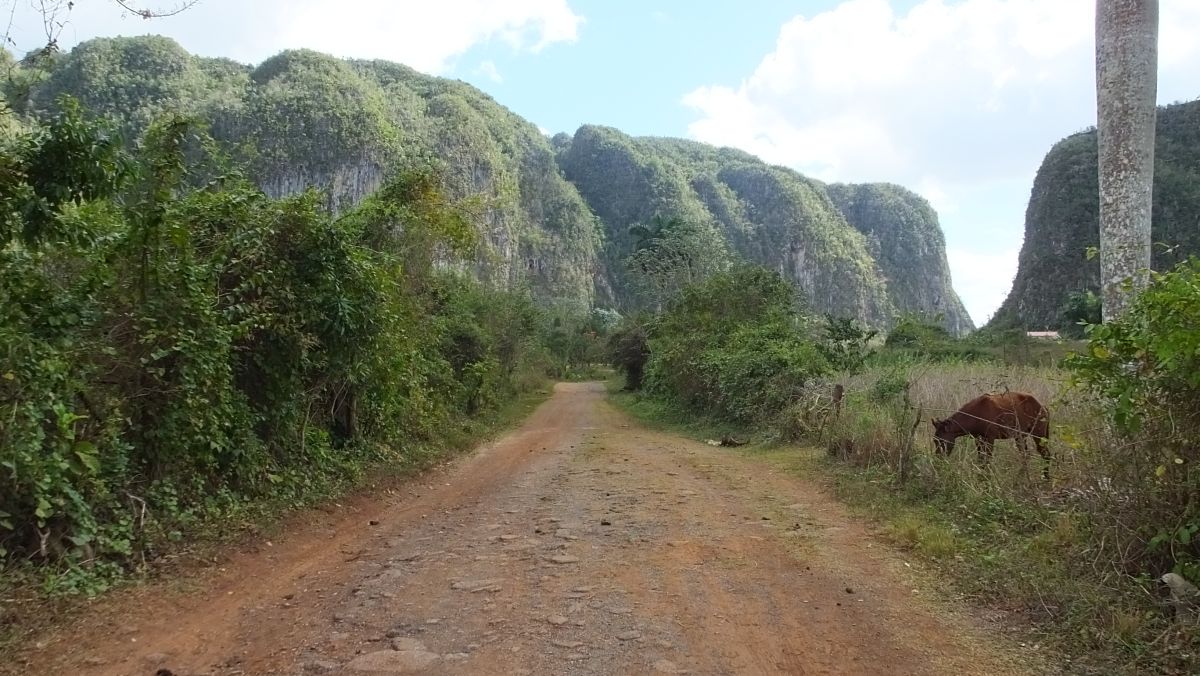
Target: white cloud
x=488, y=69
x=982, y=280
x=425, y=35
x=947, y=98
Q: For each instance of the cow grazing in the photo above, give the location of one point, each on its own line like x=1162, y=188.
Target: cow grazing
x=1008, y=415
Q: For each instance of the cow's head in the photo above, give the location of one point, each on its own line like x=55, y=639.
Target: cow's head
x=943, y=435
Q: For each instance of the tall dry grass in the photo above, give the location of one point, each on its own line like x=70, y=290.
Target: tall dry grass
x=1075, y=552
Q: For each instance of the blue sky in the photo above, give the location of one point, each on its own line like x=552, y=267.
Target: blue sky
x=958, y=100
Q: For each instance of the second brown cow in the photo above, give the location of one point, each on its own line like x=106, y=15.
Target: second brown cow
x=986, y=418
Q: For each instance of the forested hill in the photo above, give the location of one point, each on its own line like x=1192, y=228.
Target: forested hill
x=555, y=214
x=902, y=230
x=1062, y=221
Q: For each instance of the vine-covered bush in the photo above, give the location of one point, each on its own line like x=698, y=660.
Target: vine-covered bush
x=1144, y=370
x=734, y=347
x=173, y=341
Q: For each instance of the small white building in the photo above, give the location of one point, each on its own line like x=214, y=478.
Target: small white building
x=1043, y=335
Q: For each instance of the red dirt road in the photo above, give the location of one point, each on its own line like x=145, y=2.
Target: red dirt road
x=581, y=543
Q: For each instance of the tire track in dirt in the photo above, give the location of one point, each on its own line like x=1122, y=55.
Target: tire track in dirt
x=581, y=543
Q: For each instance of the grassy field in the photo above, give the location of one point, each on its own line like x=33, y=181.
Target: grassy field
x=1032, y=551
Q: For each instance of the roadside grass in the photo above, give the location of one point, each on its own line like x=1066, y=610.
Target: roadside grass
x=26, y=608
x=661, y=415
x=997, y=536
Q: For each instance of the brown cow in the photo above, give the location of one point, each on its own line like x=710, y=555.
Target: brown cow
x=1008, y=415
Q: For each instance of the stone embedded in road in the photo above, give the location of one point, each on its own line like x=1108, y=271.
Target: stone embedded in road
x=490, y=585
x=666, y=667
x=629, y=635
x=563, y=558
x=394, y=662
x=406, y=643
x=321, y=667
x=557, y=620
x=569, y=645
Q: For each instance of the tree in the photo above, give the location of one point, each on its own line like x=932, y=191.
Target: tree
x=670, y=254
x=55, y=12
x=1081, y=309
x=1126, y=89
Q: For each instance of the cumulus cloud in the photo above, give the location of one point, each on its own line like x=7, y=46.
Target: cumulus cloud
x=944, y=98
x=425, y=35
x=968, y=90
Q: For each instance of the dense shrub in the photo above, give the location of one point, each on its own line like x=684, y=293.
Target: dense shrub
x=577, y=343
x=1144, y=370
x=917, y=331
x=846, y=343
x=629, y=350
x=1081, y=309
x=173, y=342
x=733, y=346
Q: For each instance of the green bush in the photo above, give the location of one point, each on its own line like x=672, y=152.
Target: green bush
x=846, y=343
x=173, y=343
x=733, y=347
x=1081, y=309
x=917, y=331
x=1144, y=371
x=629, y=350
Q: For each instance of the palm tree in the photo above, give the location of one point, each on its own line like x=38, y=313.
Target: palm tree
x=1126, y=89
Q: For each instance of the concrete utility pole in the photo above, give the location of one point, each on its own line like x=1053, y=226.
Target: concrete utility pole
x=1126, y=91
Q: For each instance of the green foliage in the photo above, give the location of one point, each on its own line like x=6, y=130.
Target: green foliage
x=733, y=346
x=1082, y=308
x=670, y=254
x=846, y=343
x=577, y=343
x=629, y=350
x=173, y=342
x=917, y=331
x=1147, y=366
x=70, y=161
x=1144, y=371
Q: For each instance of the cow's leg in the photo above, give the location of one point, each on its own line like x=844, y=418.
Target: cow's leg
x=984, y=445
x=1044, y=451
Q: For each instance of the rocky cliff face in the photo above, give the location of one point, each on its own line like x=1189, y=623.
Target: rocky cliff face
x=303, y=119
x=1062, y=221
x=553, y=214
x=864, y=251
x=905, y=239
x=767, y=215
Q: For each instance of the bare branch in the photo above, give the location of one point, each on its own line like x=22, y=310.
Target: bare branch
x=147, y=13
x=55, y=16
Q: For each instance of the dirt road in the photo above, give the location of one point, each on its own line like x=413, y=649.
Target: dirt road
x=581, y=543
